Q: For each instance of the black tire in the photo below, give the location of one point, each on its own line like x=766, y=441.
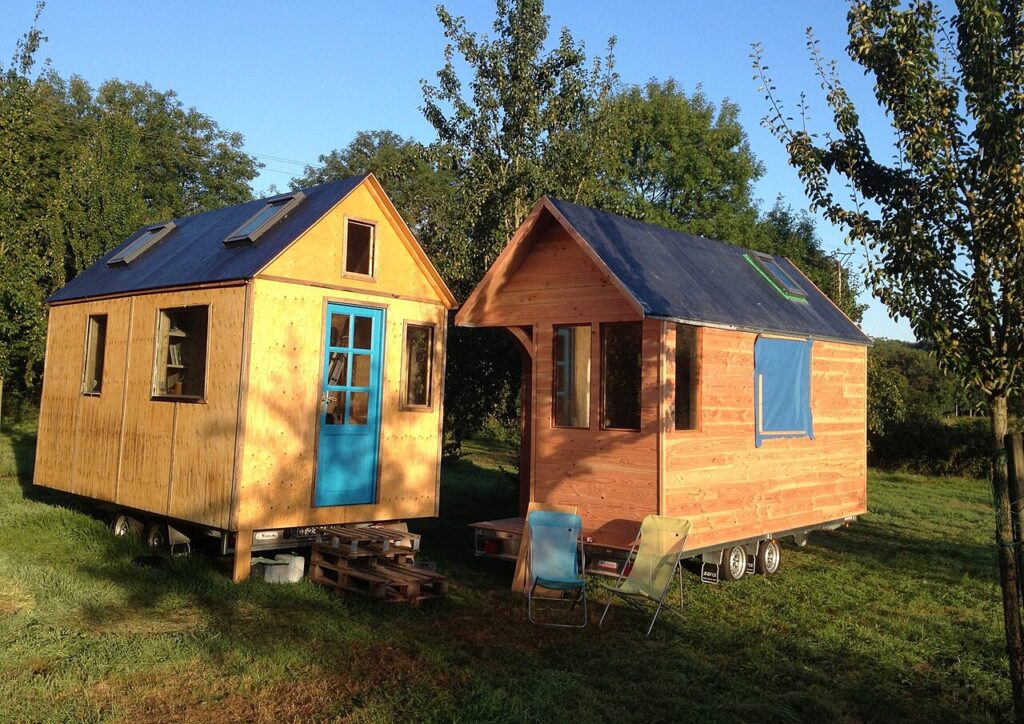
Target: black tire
x=156, y=537
x=734, y=563
x=125, y=525
x=769, y=557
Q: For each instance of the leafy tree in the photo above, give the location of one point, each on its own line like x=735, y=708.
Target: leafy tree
x=943, y=225
x=403, y=166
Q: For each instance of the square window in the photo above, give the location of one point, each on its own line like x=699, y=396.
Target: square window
x=783, y=282
x=419, y=355
x=95, y=352
x=782, y=389
x=572, y=376
x=686, y=412
x=621, y=371
x=359, y=238
x=180, y=366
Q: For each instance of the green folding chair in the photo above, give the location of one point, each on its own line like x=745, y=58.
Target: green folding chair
x=555, y=561
x=658, y=551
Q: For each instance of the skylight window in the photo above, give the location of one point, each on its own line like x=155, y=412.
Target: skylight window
x=137, y=248
x=776, y=275
x=272, y=211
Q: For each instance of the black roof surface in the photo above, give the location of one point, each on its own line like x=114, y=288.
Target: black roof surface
x=679, y=276
x=195, y=253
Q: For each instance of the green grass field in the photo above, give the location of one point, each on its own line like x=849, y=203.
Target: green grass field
x=896, y=617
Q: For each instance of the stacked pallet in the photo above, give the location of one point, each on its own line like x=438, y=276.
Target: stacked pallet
x=374, y=561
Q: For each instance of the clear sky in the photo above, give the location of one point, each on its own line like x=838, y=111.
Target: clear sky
x=299, y=79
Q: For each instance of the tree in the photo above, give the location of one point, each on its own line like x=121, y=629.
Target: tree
x=403, y=166
x=943, y=225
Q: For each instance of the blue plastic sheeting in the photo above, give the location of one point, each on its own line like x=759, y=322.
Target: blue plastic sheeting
x=782, y=389
x=674, y=275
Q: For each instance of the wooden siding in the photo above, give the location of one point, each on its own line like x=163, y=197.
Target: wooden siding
x=159, y=456
x=282, y=412
x=729, y=488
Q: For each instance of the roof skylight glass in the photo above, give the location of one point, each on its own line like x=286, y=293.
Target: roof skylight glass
x=776, y=275
x=269, y=214
x=138, y=247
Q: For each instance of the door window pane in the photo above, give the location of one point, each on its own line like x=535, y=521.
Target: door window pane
x=363, y=334
x=621, y=353
x=358, y=405
x=419, y=354
x=686, y=377
x=334, y=408
x=360, y=370
x=95, y=352
x=339, y=330
x=572, y=376
x=337, y=370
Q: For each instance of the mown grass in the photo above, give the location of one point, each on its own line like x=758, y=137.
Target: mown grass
x=896, y=617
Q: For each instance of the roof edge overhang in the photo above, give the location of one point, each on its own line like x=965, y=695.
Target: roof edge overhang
x=866, y=342
x=198, y=286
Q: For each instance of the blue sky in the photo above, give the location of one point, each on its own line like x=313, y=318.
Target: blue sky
x=299, y=79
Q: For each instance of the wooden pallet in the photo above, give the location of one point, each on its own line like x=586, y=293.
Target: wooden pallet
x=374, y=562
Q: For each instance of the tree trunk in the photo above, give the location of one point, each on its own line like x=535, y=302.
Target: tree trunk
x=1008, y=572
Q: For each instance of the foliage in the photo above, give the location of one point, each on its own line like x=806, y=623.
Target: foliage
x=943, y=224
x=81, y=169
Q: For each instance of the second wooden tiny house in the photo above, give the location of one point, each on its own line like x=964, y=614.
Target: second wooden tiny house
x=253, y=370
x=668, y=374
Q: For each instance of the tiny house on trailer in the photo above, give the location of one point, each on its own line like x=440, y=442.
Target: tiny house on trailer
x=252, y=371
x=669, y=374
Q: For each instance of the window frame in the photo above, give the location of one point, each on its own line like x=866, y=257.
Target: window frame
x=604, y=378
x=141, y=244
x=287, y=202
x=345, y=273
x=404, y=390
x=783, y=282
x=762, y=434
x=85, y=357
x=554, y=377
x=697, y=383
x=161, y=366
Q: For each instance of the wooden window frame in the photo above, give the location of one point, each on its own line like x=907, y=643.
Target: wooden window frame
x=345, y=273
x=603, y=372
x=160, y=367
x=403, y=390
x=698, y=384
x=85, y=357
x=554, y=377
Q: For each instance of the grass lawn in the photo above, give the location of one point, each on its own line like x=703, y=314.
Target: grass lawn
x=896, y=617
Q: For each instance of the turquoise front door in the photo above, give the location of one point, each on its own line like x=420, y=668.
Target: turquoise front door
x=349, y=436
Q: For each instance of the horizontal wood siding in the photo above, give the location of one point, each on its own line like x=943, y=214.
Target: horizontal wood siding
x=730, y=489
x=279, y=460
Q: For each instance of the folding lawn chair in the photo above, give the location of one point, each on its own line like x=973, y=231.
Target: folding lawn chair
x=659, y=551
x=555, y=561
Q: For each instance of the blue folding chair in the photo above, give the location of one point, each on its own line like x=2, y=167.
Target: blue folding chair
x=556, y=562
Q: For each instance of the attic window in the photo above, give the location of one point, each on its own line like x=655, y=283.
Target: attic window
x=137, y=248
x=776, y=275
x=272, y=211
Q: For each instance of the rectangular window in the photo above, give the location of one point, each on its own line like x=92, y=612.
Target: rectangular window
x=572, y=376
x=419, y=355
x=686, y=412
x=621, y=372
x=770, y=268
x=266, y=217
x=95, y=351
x=359, y=248
x=145, y=241
x=782, y=389
x=180, y=367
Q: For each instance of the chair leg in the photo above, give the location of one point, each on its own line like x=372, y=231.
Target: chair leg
x=679, y=572
x=608, y=605
x=655, y=616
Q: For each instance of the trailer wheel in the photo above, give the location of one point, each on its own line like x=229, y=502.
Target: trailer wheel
x=734, y=563
x=769, y=557
x=156, y=537
x=125, y=525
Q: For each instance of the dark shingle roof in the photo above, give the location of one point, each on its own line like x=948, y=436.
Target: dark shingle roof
x=195, y=253
x=674, y=275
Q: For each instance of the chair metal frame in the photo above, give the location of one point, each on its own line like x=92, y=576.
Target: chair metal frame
x=634, y=599
x=581, y=591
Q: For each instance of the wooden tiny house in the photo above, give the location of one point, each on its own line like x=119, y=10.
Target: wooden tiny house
x=674, y=375
x=267, y=366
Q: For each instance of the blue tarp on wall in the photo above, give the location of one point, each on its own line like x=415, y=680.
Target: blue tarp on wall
x=782, y=389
